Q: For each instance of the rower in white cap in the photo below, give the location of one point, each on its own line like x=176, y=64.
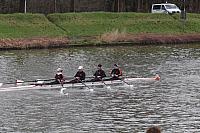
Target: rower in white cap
x=80, y=75
x=59, y=76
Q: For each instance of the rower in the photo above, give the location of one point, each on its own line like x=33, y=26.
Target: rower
x=59, y=78
x=79, y=77
x=115, y=73
x=99, y=74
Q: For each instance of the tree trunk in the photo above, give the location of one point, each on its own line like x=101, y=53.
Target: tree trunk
x=72, y=6
x=21, y=6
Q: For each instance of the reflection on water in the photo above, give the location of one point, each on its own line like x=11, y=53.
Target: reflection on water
x=172, y=103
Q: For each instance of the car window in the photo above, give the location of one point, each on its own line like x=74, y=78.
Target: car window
x=156, y=7
x=170, y=6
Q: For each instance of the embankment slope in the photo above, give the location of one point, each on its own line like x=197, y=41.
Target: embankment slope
x=95, y=28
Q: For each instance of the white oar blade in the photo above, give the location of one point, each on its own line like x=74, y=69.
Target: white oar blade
x=1, y=84
x=19, y=81
x=62, y=91
x=108, y=87
x=131, y=86
x=91, y=90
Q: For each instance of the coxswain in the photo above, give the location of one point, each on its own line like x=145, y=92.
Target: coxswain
x=99, y=74
x=80, y=76
x=115, y=73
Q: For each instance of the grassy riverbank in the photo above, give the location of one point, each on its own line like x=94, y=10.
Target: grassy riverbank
x=27, y=26
x=89, y=24
x=97, y=27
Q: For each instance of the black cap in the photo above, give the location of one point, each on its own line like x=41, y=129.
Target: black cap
x=99, y=65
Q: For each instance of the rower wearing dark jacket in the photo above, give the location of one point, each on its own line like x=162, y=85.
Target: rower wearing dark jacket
x=59, y=78
x=99, y=74
x=80, y=75
x=116, y=73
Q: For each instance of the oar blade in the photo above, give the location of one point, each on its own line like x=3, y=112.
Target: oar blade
x=131, y=86
x=63, y=91
x=108, y=87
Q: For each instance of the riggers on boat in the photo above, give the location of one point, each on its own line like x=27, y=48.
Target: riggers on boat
x=41, y=85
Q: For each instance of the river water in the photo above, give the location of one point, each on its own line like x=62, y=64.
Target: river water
x=173, y=103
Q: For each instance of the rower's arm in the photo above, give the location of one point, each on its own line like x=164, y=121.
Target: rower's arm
x=103, y=74
x=120, y=72
x=83, y=76
x=111, y=73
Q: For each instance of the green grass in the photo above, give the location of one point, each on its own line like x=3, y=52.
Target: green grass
x=88, y=24
x=27, y=25
x=94, y=23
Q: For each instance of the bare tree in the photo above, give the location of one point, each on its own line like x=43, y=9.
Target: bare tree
x=72, y=6
x=21, y=6
x=55, y=6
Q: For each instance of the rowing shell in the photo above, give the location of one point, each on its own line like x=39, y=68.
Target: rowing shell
x=68, y=85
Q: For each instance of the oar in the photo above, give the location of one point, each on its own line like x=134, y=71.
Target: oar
x=28, y=81
x=126, y=83
x=62, y=91
x=21, y=81
x=108, y=87
x=85, y=85
x=61, y=82
x=7, y=83
x=39, y=80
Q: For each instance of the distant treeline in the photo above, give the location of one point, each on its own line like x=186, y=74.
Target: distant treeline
x=60, y=6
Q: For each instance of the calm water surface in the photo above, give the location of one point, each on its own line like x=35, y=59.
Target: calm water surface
x=172, y=103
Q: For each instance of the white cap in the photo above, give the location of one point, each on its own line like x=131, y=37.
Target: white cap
x=59, y=70
x=80, y=67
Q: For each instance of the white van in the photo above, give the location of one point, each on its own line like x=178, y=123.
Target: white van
x=165, y=8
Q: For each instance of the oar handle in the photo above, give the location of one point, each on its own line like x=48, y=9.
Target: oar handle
x=103, y=82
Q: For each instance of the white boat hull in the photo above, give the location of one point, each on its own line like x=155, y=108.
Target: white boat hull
x=58, y=86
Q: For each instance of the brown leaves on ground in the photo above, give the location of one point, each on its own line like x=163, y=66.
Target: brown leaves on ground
x=114, y=36
x=39, y=42
x=117, y=37
x=107, y=38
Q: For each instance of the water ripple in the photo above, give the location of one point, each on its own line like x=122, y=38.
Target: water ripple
x=172, y=103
